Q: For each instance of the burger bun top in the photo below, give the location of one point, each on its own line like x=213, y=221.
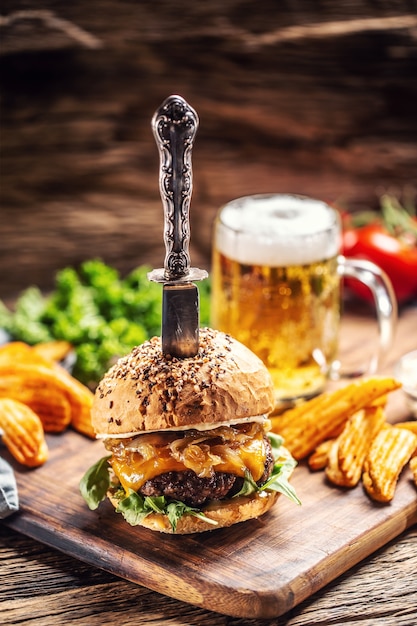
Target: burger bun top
x=147, y=390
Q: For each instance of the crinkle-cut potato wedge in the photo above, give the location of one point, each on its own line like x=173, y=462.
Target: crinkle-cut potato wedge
x=20, y=352
x=319, y=458
x=348, y=453
x=82, y=400
x=413, y=468
x=381, y=401
x=306, y=425
x=47, y=353
x=81, y=417
x=411, y=425
x=29, y=374
x=54, y=351
x=23, y=433
x=390, y=451
x=38, y=379
x=50, y=404
x=332, y=470
x=36, y=386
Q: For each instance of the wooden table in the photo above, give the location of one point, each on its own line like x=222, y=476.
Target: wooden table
x=42, y=586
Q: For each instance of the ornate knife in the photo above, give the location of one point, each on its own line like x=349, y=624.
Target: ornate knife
x=174, y=126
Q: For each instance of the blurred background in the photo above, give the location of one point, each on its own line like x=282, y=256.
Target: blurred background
x=293, y=96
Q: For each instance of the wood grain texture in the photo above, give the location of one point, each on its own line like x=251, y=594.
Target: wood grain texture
x=259, y=569
x=41, y=586
x=315, y=100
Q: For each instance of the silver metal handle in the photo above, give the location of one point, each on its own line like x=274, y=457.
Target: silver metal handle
x=174, y=126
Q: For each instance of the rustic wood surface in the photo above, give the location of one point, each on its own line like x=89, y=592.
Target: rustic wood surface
x=316, y=99
x=42, y=586
x=260, y=569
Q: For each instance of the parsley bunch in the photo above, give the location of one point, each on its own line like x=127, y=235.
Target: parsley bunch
x=100, y=313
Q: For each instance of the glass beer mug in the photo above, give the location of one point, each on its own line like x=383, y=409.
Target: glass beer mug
x=276, y=287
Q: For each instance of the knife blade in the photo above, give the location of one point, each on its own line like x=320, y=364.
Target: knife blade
x=174, y=127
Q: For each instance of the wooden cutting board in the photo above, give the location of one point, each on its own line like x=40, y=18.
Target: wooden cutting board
x=258, y=569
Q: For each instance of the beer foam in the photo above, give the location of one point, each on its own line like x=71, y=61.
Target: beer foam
x=278, y=230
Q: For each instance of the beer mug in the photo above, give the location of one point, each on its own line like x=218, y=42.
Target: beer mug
x=276, y=287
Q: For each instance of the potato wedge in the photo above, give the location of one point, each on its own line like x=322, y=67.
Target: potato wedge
x=52, y=406
x=32, y=380
x=20, y=352
x=305, y=426
x=54, y=351
x=413, y=468
x=349, y=451
x=319, y=458
x=23, y=433
x=390, y=451
x=411, y=426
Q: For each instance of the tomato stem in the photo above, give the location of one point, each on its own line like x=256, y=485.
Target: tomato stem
x=397, y=219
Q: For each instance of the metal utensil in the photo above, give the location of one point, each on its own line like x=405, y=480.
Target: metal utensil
x=174, y=126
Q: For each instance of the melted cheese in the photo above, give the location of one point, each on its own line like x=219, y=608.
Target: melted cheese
x=230, y=450
x=134, y=475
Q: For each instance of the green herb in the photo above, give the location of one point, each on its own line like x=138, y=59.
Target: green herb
x=135, y=508
x=101, y=314
x=176, y=509
x=279, y=479
x=398, y=219
x=95, y=483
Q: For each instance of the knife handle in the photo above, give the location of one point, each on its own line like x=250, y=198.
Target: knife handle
x=174, y=126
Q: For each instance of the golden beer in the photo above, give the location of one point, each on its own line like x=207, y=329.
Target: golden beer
x=276, y=286
x=288, y=316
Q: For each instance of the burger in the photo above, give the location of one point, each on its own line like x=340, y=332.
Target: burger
x=188, y=441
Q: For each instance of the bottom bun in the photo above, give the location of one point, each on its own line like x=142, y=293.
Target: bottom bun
x=225, y=513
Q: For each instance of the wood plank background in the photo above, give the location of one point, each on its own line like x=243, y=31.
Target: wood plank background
x=313, y=98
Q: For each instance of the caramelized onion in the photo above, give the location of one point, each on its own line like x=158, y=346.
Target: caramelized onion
x=231, y=449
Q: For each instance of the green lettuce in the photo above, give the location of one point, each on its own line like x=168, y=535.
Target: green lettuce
x=95, y=483
x=135, y=508
x=279, y=479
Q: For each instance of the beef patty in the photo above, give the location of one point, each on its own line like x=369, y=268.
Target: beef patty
x=187, y=487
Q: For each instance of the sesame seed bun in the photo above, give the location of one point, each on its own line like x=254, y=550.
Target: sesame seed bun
x=146, y=390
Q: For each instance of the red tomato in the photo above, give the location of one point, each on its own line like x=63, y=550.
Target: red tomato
x=392, y=254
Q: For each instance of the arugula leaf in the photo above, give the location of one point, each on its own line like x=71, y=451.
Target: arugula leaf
x=176, y=509
x=156, y=504
x=95, y=483
x=282, y=470
x=276, y=443
x=135, y=508
x=279, y=479
x=249, y=486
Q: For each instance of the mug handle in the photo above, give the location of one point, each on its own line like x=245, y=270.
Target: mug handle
x=385, y=304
